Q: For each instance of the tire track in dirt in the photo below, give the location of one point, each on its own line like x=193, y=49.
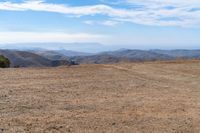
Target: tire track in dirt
x=138, y=75
x=156, y=81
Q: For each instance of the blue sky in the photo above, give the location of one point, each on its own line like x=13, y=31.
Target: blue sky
x=140, y=23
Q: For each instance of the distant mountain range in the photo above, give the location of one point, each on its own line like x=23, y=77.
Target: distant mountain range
x=42, y=57
x=58, y=54
x=127, y=55
x=180, y=53
x=121, y=56
x=28, y=59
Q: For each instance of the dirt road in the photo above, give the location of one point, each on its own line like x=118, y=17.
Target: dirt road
x=155, y=97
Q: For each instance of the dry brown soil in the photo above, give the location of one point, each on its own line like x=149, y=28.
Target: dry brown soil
x=153, y=97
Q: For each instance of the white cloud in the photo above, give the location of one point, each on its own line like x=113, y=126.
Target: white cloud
x=105, y=22
x=41, y=6
x=23, y=37
x=164, y=2
x=89, y=22
x=146, y=12
x=110, y=23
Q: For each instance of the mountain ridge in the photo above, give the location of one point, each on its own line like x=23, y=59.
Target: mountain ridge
x=28, y=59
x=41, y=57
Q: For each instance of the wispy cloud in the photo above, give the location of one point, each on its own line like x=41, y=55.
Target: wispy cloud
x=110, y=23
x=89, y=22
x=148, y=12
x=104, y=22
x=23, y=37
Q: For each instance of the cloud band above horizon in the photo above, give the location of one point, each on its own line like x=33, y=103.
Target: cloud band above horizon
x=149, y=12
x=27, y=37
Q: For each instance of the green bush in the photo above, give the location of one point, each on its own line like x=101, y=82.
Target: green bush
x=4, y=62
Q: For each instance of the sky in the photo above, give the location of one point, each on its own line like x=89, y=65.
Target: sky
x=150, y=24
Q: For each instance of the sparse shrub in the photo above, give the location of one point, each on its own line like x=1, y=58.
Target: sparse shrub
x=72, y=62
x=56, y=63
x=17, y=66
x=4, y=62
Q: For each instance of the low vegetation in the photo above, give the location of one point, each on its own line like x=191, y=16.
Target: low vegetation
x=4, y=62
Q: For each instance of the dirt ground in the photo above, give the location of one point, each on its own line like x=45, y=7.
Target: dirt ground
x=154, y=97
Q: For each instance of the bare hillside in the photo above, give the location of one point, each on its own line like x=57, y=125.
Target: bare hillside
x=155, y=97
